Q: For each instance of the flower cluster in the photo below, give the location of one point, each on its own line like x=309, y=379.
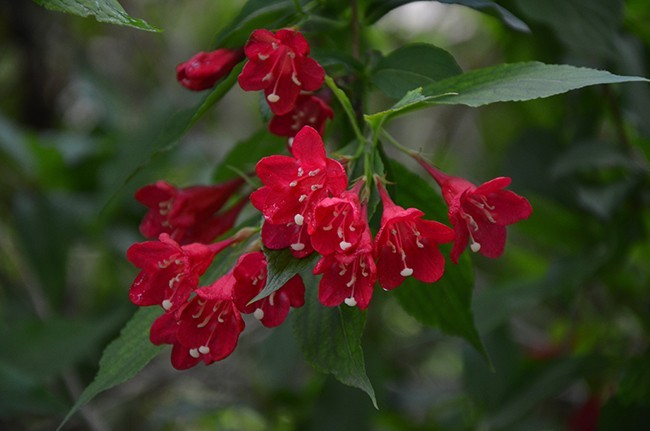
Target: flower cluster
x=310, y=203
x=278, y=64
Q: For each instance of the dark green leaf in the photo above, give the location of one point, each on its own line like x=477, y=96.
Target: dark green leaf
x=518, y=82
x=445, y=304
x=282, y=266
x=378, y=8
x=503, y=83
x=109, y=11
x=330, y=339
x=587, y=26
x=269, y=14
x=123, y=358
x=413, y=66
x=30, y=346
x=245, y=154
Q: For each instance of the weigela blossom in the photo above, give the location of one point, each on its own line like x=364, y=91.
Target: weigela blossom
x=338, y=223
x=309, y=110
x=292, y=186
x=250, y=278
x=350, y=277
x=278, y=64
x=169, y=271
x=205, y=329
x=407, y=245
x=204, y=69
x=479, y=214
x=188, y=214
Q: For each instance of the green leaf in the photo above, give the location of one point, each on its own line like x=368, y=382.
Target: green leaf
x=513, y=82
x=588, y=26
x=378, y=8
x=270, y=14
x=109, y=11
x=330, y=339
x=518, y=82
x=245, y=154
x=281, y=267
x=447, y=303
x=413, y=66
x=123, y=358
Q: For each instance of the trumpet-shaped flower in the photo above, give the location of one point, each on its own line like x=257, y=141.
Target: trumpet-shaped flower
x=205, y=329
x=407, y=245
x=169, y=271
x=204, y=69
x=278, y=63
x=479, y=214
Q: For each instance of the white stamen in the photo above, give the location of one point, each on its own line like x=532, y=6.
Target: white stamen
x=302, y=198
x=293, y=183
x=353, y=280
x=327, y=228
x=299, y=219
x=294, y=78
x=259, y=314
x=194, y=353
x=475, y=247
x=314, y=172
x=262, y=56
x=274, y=45
x=167, y=304
x=298, y=246
x=301, y=172
x=352, y=228
x=267, y=77
x=406, y=272
x=272, y=97
x=351, y=302
x=315, y=187
x=419, y=244
x=204, y=349
x=343, y=270
x=345, y=245
x=272, y=299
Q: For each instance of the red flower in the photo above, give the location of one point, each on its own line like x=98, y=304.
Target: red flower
x=169, y=272
x=309, y=110
x=204, y=69
x=250, y=275
x=278, y=64
x=294, y=185
x=585, y=418
x=338, y=223
x=348, y=278
x=407, y=245
x=479, y=214
x=188, y=214
x=205, y=329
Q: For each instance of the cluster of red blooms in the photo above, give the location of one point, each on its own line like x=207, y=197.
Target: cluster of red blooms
x=307, y=206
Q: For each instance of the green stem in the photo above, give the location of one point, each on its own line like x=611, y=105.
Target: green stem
x=397, y=145
x=347, y=107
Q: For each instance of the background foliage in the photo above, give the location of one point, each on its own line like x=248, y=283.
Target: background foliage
x=89, y=112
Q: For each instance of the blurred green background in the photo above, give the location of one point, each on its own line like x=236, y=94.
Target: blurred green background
x=564, y=314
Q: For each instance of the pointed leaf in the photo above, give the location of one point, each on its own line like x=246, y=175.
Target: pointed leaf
x=108, y=11
x=330, y=339
x=281, y=267
x=513, y=82
x=123, y=358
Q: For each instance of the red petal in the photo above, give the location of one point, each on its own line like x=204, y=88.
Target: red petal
x=310, y=74
x=309, y=149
